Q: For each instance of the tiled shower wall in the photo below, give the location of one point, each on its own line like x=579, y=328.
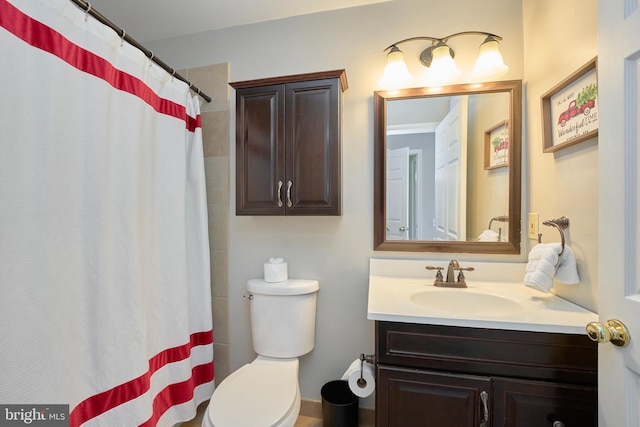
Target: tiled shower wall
x=213, y=80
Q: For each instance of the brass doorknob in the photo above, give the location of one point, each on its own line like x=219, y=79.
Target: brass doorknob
x=613, y=331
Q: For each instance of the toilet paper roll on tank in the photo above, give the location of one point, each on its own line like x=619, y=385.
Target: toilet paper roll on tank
x=275, y=270
x=361, y=379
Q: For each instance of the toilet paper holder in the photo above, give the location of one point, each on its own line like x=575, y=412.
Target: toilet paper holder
x=369, y=358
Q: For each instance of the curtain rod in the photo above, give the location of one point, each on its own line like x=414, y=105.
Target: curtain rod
x=86, y=7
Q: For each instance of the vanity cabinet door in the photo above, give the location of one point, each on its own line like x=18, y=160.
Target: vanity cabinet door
x=417, y=398
x=524, y=403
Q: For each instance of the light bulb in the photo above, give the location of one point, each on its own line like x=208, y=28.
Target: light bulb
x=396, y=74
x=443, y=68
x=489, y=63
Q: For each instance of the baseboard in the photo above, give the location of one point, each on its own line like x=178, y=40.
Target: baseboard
x=313, y=409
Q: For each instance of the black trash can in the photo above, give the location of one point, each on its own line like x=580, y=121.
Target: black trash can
x=339, y=405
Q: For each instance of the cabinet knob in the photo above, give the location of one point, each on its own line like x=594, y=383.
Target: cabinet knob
x=403, y=228
x=613, y=331
x=558, y=424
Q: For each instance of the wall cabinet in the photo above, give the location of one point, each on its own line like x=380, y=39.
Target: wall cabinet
x=429, y=375
x=288, y=137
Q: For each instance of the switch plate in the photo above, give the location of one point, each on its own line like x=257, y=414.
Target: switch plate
x=532, y=225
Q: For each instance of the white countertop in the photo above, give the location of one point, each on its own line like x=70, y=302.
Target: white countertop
x=394, y=285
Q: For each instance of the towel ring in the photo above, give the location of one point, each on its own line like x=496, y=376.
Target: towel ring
x=560, y=224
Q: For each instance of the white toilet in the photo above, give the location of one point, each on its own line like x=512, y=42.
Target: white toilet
x=265, y=392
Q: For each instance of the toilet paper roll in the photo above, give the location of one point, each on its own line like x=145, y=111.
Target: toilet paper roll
x=275, y=270
x=352, y=375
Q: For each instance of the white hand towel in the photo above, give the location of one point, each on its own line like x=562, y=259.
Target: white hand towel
x=545, y=265
x=541, y=268
x=488, y=236
x=567, y=271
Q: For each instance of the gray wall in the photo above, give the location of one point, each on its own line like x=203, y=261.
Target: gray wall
x=336, y=250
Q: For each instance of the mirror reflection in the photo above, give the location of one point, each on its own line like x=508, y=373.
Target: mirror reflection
x=449, y=168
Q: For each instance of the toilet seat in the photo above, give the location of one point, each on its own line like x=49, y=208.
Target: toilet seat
x=262, y=393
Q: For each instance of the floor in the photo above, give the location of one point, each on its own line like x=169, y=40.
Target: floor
x=308, y=422
x=301, y=422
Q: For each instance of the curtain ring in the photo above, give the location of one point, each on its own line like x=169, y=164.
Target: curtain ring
x=173, y=73
x=151, y=58
x=86, y=12
x=124, y=33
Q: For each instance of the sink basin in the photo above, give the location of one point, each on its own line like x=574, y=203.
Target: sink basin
x=465, y=302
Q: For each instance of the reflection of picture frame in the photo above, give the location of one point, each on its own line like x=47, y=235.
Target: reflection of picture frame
x=570, y=110
x=496, y=146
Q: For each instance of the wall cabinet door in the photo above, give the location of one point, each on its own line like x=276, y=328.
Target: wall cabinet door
x=288, y=137
x=524, y=403
x=260, y=161
x=416, y=398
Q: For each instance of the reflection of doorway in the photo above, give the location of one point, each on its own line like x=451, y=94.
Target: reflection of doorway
x=404, y=194
x=416, y=227
x=397, y=194
x=451, y=173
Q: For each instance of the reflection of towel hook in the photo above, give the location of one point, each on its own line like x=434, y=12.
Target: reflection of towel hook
x=561, y=224
x=501, y=218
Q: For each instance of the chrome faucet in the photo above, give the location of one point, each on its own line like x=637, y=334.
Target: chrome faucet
x=451, y=280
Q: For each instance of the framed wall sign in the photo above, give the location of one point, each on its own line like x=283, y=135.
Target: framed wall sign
x=496, y=146
x=570, y=109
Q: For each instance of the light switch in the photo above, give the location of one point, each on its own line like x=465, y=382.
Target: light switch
x=532, y=225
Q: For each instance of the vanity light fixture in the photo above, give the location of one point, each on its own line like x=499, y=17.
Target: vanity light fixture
x=439, y=58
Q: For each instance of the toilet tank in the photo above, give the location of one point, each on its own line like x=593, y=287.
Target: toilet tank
x=283, y=316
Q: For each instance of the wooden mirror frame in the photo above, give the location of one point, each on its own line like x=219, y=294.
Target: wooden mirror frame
x=512, y=246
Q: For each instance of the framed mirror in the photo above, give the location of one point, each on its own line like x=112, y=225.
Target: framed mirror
x=447, y=168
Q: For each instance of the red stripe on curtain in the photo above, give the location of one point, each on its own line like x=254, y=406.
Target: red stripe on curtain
x=175, y=394
x=47, y=39
x=107, y=400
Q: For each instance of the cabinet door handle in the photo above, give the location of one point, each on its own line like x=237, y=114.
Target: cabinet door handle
x=484, y=397
x=289, y=184
x=279, y=194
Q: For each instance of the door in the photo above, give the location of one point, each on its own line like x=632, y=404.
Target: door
x=260, y=161
x=415, y=398
x=312, y=127
x=451, y=173
x=527, y=403
x=397, y=193
x=619, y=236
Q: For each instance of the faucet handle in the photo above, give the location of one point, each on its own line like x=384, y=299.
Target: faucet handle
x=461, y=270
x=439, y=277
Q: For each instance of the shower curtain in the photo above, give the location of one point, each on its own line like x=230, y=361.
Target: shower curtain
x=105, y=303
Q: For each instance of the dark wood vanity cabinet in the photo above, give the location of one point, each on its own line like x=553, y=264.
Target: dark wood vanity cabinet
x=288, y=132
x=444, y=376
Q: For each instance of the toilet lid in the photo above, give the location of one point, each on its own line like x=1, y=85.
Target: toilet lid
x=258, y=394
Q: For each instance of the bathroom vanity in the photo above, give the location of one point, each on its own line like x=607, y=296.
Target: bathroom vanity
x=493, y=354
